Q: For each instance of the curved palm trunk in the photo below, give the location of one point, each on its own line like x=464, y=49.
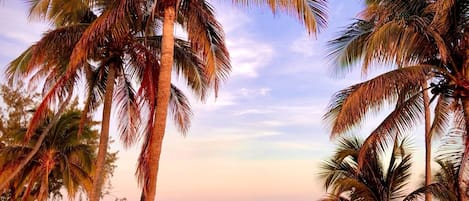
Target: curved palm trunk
x=36, y=147
x=98, y=177
x=162, y=99
x=428, y=141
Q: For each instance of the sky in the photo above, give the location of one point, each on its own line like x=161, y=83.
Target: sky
x=263, y=138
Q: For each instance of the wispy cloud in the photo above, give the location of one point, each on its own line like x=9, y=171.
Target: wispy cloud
x=248, y=56
x=252, y=112
x=255, y=92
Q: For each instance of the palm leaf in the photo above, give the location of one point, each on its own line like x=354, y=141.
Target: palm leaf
x=440, y=191
x=206, y=36
x=349, y=48
x=129, y=112
x=188, y=64
x=50, y=54
x=349, y=106
x=399, y=121
x=311, y=13
x=443, y=115
x=180, y=109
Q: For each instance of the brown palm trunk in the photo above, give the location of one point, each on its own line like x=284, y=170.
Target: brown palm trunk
x=44, y=189
x=162, y=100
x=462, y=169
x=98, y=177
x=465, y=102
x=428, y=141
x=36, y=147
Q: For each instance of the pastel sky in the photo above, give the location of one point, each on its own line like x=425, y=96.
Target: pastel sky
x=263, y=138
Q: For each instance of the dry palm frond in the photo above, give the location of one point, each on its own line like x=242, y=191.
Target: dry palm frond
x=187, y=63
x=349, y=48
x=440, y=191
x=396, y=124
x=311, y=13
x=349, y=106
x=180, y=109
x=50, y=54
x=129, y=112
x=443, y=12
x=444, y=110
x=206, y=37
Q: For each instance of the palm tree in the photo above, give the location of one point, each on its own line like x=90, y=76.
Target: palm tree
x=377, y=180
x=429, y=35
x=445, y=187
x=140, y=59
x=123, y=20
x=63, y=160
x=52, y=65
x=346, y=49
x=446, y=180
x=196, y=18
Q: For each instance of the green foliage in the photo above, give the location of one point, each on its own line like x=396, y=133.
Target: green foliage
x=65, y=159
x=377, y=180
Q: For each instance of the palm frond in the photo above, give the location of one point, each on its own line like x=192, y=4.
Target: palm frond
x=49, y=55
x=188, y=64
x=61, y=91
x=361, y=191
x=442, y=19
x=349, y=48
x=206, y=36
x=349, y=106
x=111, y=27
x=129, y=112
x=332, y=197
x=95, y=90
x=311, y=13
x=18, y=66
x=399, y=121
x=443, y=112
x=180, y=109
x=399, y=176
x=440, y=191
x=348, y=147
x=452, y=146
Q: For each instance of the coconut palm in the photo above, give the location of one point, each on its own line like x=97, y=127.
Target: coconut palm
x=377, y=180
x=376, y=18
x=51, y=56
x=196, y=18
x=63, y=160
x=446, y=180
x=122, y=20
x=140, y=60
x=445, y=186
x=429, y=35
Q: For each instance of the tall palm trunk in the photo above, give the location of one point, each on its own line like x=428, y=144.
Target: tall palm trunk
x=98, y=177
x=36, y=147
x=465, y=102
x=44, y=189
x=462, y=169
x=428, y=141
x=162, y=100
